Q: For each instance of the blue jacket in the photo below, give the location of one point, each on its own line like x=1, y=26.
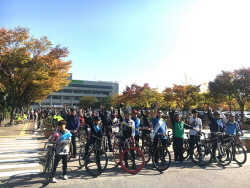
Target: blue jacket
x=137, y=124
x=73, y=122
x=232, y=128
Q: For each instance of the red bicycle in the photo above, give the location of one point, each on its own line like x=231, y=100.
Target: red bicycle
x=129, y=157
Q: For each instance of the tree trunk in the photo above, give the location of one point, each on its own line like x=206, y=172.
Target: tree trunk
x=12, y=112
x=242, y=110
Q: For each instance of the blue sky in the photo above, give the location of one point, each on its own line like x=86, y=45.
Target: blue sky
x=140, y=41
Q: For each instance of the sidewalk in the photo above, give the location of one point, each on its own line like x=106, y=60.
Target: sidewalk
x=16, y=130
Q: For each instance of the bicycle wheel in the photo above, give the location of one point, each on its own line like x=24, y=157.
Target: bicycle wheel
x=146, y=152
x=161, y=158
x=50, y=167
x=96, y=162
x=185, y=149
x=70, y=151
x=202, y=155
x=240, y=155
x=81, y=155
x=45, y=162
x=223, y=155
x=132, y=164
x=116, y=153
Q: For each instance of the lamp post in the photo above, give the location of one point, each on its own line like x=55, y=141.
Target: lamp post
x=4, y=98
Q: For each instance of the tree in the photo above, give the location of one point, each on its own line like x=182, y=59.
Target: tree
x=105, y=102
x=30, y=68
x=184, y=95
x=233, y=85
x=87, y=101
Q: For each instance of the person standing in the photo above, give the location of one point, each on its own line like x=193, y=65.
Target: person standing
x=178, y=134
x=137, y=124
x=62, y=150
x=159, y=126
x=196, y=123
x=107, y=123
x=73, y=124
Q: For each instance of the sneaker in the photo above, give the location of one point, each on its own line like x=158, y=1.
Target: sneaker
x=176, y=162
x=221, y=161
x=156, y=164
x=166, y=163
x=53, y=180
x=214, y=161
x=65, y=177
x=111, y=150
x=183, y=162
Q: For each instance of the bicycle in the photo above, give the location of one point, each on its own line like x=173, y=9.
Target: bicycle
x=238, y=152
x=84, y=137
x=201, y=154
x=157, y=152
x=132, y=155
x=223, y=155
x=48, y=161
x=98, y=157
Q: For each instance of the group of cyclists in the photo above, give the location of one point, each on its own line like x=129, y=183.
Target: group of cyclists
x=131, y=123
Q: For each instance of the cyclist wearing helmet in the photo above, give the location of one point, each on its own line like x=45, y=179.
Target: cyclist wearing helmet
x=107, y=123
x=62, y=149
x=215, y=126
x=128, y=130
x=146, y=123
x=95, y=130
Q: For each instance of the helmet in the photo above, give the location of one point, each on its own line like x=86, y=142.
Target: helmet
x=54, y=137
x=237, y=115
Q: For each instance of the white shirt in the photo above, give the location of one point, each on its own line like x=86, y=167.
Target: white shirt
x=192, y=132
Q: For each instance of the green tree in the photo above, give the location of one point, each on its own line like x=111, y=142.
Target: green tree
x=87, y=102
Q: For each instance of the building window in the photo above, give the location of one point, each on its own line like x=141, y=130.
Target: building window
x=56, y=103
x=76, y=98
x=56, y=97
x=60, y=91
x=67, y=98
x=67, y=91
x=45, y=103
x=90, y=86
x=105, y=93
x=86, y=92
x=77, y=91
x=48, y=97
x=95, y=92
x=76, y=104
x=68, y=104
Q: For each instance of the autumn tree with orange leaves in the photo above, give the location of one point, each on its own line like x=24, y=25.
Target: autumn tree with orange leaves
x=30, y=68
x=183, y=95
x=233, y=85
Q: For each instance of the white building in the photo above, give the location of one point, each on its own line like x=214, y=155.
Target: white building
x=71, y=95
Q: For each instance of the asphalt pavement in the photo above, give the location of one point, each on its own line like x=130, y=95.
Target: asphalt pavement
x=20, y=166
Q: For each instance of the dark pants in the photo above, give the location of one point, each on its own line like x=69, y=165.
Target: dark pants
x=178, y=145
x=193, y=141
x=57, y=160
x=164, y=143
x=221, y=138
x=109, y=141
x=144, y=134
x=125, y=155
x=137, y=138
x=73, y=140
